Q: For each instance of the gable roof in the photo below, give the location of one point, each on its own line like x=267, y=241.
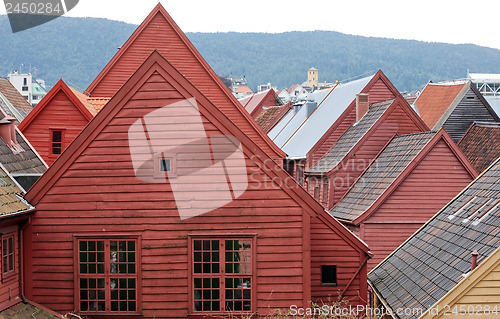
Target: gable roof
x=393, y=163
x=360, y=131
x=159, y=32
x=436, y=99
x=351, y=137
x=484, y=278
x=481, y=144
x=11, y=195
x=431, y=262
x=25, y=162
x=271, y=115
x=243, y=89
x=297, y=133
x=254, y=103
x=60, y=86
x=12, y=102
x=157, y=64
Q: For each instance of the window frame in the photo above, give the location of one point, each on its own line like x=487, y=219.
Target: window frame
x=51, y=141
x=138, y=261
x=191, y=275
x=331, y=284
x=158, y=173
x=9, y=275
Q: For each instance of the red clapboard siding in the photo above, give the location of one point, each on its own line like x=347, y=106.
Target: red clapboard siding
x=58, y=110
x=398, y=121
x=159, y=32
x=379, y=89
x=328, y=248
x=437, y=178
x=10, y=286
x=96, y=192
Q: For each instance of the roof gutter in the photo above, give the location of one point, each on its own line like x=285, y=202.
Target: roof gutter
x=17, y=214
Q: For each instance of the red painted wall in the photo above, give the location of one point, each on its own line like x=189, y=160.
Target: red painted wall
x=99, y=194
x=10, y=291
x=59, y=113
x=438, y=178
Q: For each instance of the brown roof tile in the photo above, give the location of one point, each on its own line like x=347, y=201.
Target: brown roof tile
x=271, y=115
x=26, y=311
x=11, y=200
x=435, y=99
x=481, y=144
x=9, y=92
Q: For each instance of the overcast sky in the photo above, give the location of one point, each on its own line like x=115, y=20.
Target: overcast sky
x=451, y=21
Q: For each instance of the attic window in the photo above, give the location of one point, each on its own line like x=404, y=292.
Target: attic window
x=164, y=164
x=329, y=275
x=56, y=145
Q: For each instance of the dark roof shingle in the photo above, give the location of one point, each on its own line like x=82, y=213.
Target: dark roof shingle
x=433, y=260
x=481, y=144
x=350, y=138
x=391, y=162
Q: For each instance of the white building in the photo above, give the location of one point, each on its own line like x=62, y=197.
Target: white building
x=32, y=90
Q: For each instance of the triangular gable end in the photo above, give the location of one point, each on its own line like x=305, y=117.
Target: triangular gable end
x=156, y=66
x=378, y=78
x=60, y=86
x=181, y=53
x=440, y=135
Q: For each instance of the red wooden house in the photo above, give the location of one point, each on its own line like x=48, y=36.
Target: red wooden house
x=57, y=119
x=409, y=181
x=256, y=103
x=114, y=237
x=306, y=134
x=180, y=52
x=14, y=216
x=375, y=125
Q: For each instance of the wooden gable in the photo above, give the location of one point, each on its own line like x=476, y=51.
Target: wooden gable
x=477, y=294
x=93, y=189
x=159, y=32
x=61, y=110
x=378, y=89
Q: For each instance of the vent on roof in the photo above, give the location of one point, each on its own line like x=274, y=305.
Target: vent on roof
x=361, y=105
x=480, y=217
x=464, y=207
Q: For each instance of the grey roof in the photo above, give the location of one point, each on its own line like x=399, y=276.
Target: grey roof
x=391, y=162
x=433, y=260
x=350, y=138
x=297, y=133
x=20, y=162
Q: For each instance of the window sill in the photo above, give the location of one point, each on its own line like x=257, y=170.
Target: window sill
x=329, y=285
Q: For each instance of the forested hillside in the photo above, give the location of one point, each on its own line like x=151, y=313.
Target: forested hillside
x=76, y=49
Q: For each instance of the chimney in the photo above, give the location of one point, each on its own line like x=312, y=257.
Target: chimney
x=474, y=260
x=311, y=106
x=362, y=105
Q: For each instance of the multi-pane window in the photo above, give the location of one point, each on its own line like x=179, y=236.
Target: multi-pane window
x=56, y=137
x=108, y=278
x=222, y=275
x=8, y=264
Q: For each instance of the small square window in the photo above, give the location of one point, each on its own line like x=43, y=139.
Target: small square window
x=165, y=165
x=329, y=275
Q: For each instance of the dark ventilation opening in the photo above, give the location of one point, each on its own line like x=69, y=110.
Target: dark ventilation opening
x=329, y=275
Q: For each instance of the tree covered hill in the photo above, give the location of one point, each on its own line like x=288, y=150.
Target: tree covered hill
x=76, y=49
